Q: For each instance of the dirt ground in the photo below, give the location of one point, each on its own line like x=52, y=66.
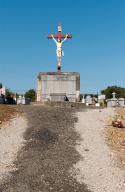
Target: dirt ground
x=43, y=164
x=6, y=113
x=115, y=137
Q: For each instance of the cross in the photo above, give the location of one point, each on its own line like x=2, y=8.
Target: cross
x=59, y=38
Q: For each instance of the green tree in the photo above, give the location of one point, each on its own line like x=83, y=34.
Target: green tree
x=9, y=92
x=1, y=85
x=31, y=94
x=120, y=91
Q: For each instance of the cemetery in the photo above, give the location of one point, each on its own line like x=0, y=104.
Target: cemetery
x=48, y=127
x=59, y=88
x=62, y=96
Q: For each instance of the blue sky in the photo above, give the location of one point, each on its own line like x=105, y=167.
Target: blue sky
x=97, y=49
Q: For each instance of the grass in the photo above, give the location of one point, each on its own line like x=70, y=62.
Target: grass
x=6, y=113
x=116, y=137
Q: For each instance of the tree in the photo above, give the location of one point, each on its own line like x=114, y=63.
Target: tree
x=31, y=94
x=9, y=92
x=1, y=85
x=120, y=92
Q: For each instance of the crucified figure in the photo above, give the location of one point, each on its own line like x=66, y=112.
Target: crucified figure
x=59, y=51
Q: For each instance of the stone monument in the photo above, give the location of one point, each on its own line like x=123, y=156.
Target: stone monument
x=58, y=86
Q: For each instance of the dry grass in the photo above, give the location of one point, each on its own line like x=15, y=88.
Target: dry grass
x=116, y=137
x=6, y=112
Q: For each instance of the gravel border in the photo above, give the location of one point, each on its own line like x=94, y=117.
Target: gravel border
x=96, y=167
x=11, y=141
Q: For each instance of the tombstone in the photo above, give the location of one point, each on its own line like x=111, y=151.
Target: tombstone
x=101, y=99
x=23, y=101
x=83, y=99
x=97, y=104
x=112, y=102
x=88, y=100
x=121, y=102
x=19, y=100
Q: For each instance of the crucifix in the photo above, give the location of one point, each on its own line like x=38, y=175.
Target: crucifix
x=59, y=38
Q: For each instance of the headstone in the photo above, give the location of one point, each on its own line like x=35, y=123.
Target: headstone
x=97, y=104
x=112, y=102
x=19, y=100
x=89, y=100
x=121, y=102
x=83, y=99
x=101, y=97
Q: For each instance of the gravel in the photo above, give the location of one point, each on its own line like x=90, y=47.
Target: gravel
x=43, y=163
x=97, y=167
x=11, y=140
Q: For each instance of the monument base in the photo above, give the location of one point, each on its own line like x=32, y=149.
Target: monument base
x=58, y=86
x=59, y=68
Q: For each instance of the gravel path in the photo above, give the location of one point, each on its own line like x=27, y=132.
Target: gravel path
x=96, y=167
x=44, y=162
x=11, y=141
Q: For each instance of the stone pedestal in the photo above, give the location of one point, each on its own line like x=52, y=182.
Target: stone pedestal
x=58, y=86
